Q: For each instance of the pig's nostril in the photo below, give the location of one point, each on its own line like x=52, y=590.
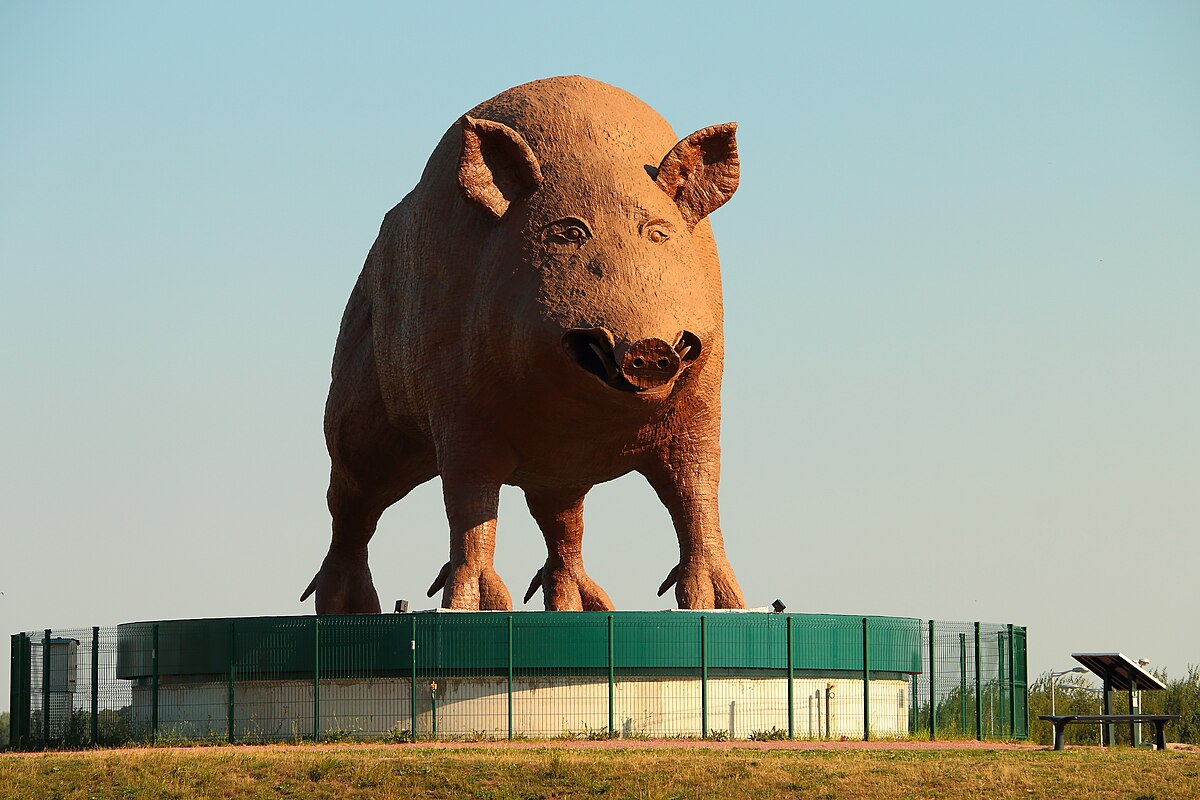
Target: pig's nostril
x=662, y=363
x=639, y=363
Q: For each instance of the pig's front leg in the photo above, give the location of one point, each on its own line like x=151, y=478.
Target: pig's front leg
x=470, y=580
x=565, y=584
x=685, y=476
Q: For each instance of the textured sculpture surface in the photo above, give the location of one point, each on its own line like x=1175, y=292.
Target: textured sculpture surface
x=542, y=310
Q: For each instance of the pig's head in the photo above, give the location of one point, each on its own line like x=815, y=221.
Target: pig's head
x=600, y=248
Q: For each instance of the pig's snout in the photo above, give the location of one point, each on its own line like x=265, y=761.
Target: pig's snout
x=649, y=363
x=646, y=364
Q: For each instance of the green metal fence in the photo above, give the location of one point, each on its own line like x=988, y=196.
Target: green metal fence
x=64, y=690
x=974, y=684
x=525, y=674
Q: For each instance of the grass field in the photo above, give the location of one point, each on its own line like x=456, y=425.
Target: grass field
x=556, y=771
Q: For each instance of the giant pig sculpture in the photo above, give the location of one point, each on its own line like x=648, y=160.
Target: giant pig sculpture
x=542, y=310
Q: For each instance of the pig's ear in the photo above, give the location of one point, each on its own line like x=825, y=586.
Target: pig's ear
x=701, y=172
x=496, y=167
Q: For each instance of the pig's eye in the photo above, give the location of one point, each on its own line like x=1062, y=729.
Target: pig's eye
x=657, y=231
x=566, y=232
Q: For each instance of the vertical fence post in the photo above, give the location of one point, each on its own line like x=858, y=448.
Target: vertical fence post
x=962, y=683
x=510, y=677
x=866, y=680
x=46, y=688
x=791, y=684
x=1012, y=687
x=316, y=678
x=703, y=677
x=1001, y=683
x=978, y=688
x=914, y=710
x=932, y=684
x=412, y=708
x=14, y=681
x=154, y=686
x=19, y=691
x=14, y=684
x=95, y=685
x=1025, y=672
x=611, y=675
x=27, y=684
x=231, y=696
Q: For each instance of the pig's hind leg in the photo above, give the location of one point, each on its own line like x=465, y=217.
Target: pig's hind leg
x=565, y=585
x=356, y=501
x=373, y=464
x=343, y=584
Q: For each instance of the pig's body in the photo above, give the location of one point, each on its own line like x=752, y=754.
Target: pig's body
x=542, y=310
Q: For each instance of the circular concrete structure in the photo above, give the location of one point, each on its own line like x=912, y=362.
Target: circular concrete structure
x=531, y=674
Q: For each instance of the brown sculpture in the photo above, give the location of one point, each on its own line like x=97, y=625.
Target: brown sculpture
x=542, y=310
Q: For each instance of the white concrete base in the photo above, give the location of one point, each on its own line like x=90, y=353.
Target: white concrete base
x=542, y=707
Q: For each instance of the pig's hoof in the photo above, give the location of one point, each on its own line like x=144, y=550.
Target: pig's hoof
x=472, y=589
x=344, y=586
x=568, y=590
x=704, y=586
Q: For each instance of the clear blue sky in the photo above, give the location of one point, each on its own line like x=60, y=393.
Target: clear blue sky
x=969, y=232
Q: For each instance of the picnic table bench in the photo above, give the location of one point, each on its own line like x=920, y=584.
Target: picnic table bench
x=1061, y=721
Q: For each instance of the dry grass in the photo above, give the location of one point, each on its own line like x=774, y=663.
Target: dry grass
x=407, y=771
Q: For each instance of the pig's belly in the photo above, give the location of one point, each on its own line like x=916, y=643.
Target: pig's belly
x=565, y=464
